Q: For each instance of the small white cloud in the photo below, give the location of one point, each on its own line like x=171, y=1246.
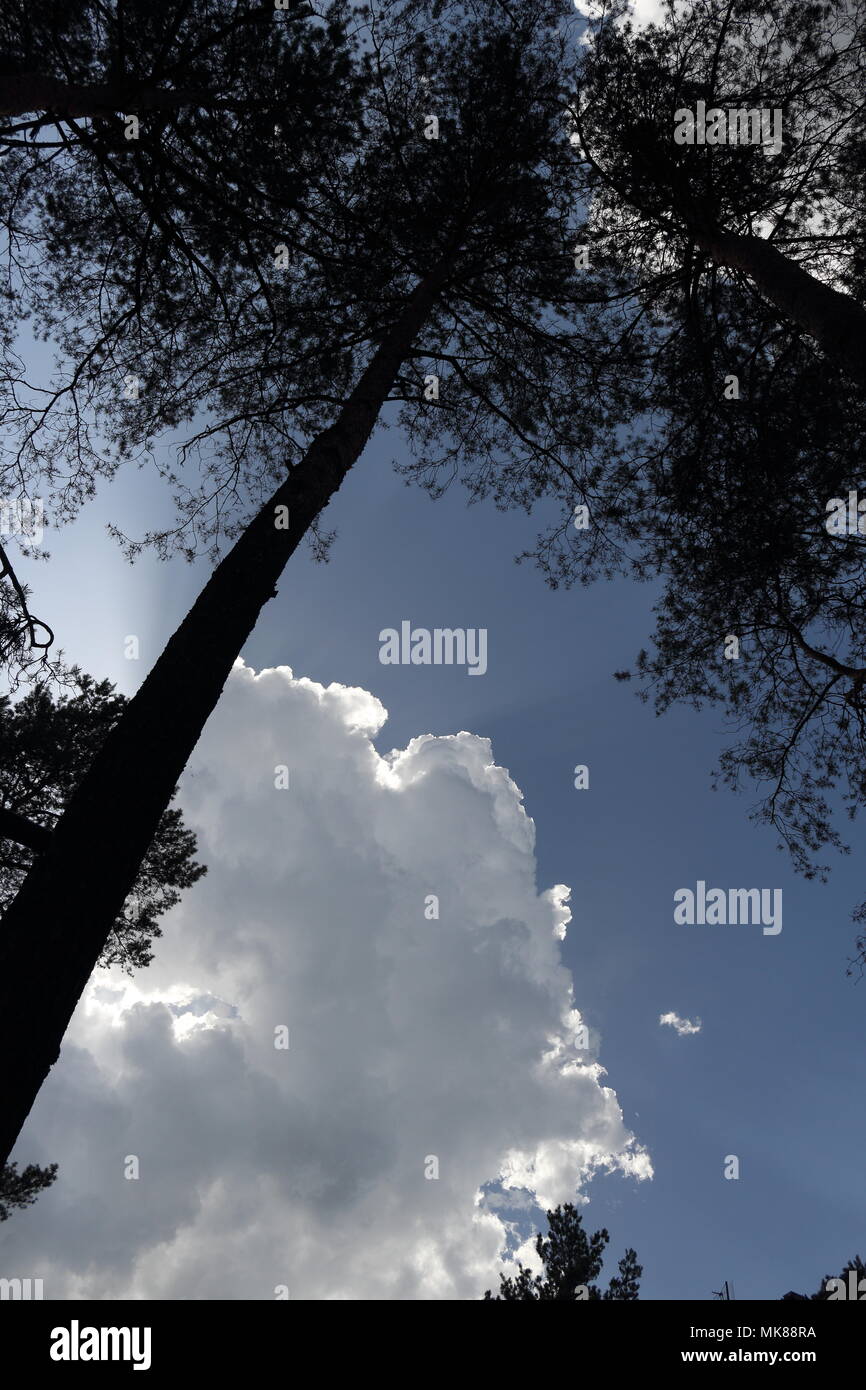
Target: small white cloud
x=684, y=1026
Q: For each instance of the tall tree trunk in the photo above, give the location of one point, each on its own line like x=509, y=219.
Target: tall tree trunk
x=836, y=321
x=54, y=931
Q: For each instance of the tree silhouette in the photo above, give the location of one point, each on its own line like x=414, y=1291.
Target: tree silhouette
x=272, y=297
x=26, y=641
x=47, y=742
x=405, y=253
x=750, y=269
x=162, y=221
x=64, y=61
x=788, y=226
x=734, y=516
x=19, y=1190
x=571, y=1263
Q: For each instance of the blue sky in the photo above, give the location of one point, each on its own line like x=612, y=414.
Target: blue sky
x=775, y=1073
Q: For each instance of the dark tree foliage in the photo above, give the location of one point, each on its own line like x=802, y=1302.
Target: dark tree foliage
x=572, y=1262
x=272, y=296
x=220, y=89
x=47, y=742
x=135, y=256
x=789, y=225
x=61, y=60
x=404, y=256
x=19, y=1190
x=735, y=517
x=159, y=268
x=26, y=642
x=855, y=1266
x=730, y=262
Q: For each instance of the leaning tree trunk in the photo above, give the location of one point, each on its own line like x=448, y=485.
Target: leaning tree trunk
x=56, y=927
x=836, y=321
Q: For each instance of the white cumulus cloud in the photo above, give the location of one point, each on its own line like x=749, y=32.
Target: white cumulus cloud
x=412, y=1037
x=683, y=1026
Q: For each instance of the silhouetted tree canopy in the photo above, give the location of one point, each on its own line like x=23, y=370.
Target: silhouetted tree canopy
x=401, y=257
x=735, y=264
x=571, y=1263
x=47, y=742
x=270, y=296
x=19, y=1190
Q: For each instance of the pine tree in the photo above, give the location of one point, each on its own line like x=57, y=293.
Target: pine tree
x=410, y=252
x=21, y=1189
x=47, y=742
x=571, y=1262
